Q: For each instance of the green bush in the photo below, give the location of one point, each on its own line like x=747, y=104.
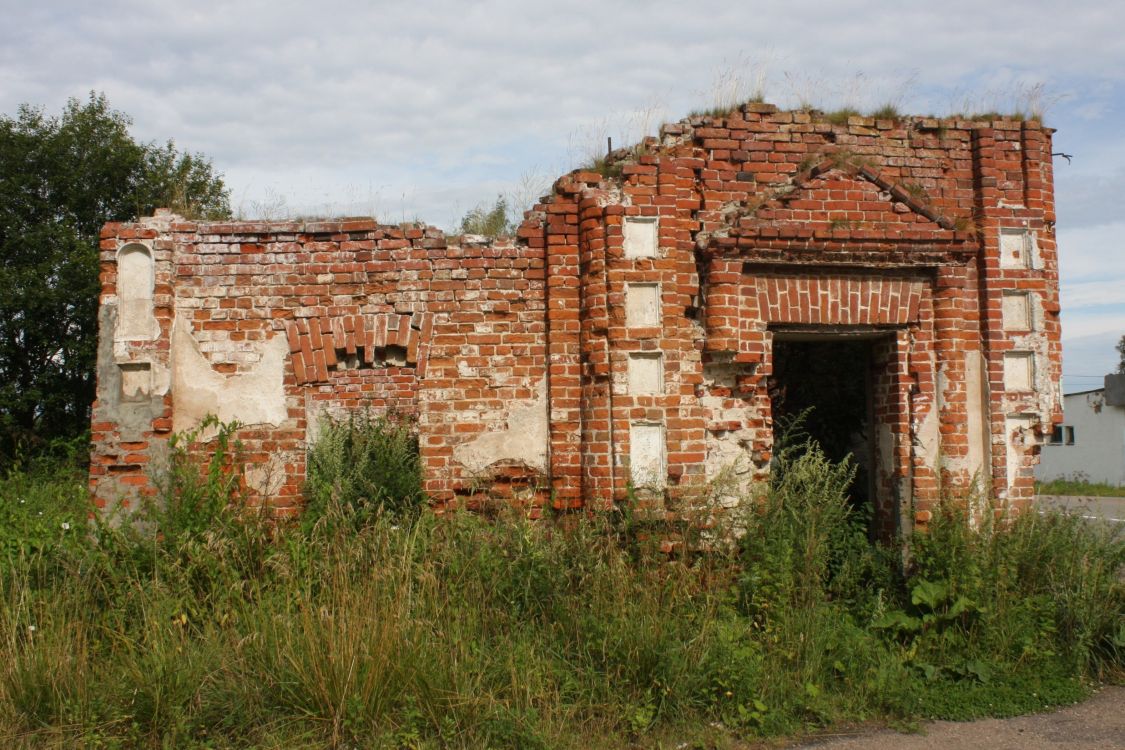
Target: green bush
x=364, y=464
x=42, y=507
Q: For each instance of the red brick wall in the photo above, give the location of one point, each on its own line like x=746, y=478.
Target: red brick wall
x=765, y=221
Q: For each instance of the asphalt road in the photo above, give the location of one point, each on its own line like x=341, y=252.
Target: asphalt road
x=1092, y=508
x=1096, y=724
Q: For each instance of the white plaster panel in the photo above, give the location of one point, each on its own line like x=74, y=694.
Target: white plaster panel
x=640, y=238
x=135, y=282
x=647, y=456
x=642, y=305
x=1017, y=247
x=1016, y=311
x=977, y=405
x=1019, y=371
x=646, y=373
x=136, y=380
x=524, y=439
x=1017, y=434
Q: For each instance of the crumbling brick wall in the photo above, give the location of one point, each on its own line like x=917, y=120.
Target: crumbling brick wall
x=620, y=347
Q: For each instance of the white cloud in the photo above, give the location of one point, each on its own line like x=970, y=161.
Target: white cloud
x=422, y=109
x=1078, y=323
x=427, y=97
x=1093, y=253
x=1087, y=359
x=1094, y=293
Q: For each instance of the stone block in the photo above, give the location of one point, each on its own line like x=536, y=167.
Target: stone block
x=1019, y=371
x=648, y=463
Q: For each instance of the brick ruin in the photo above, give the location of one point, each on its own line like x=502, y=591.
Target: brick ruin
x=625, y=346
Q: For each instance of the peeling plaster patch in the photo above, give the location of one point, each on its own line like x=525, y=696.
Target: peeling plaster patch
x=976, y=404
x=1017, y=436
x=731, y=464
x=889, y=478
x=524, y=440
x=730, y=470
x=268, y=478
x=927, y=438
x=254, y=397
x=640, y=237
x=136, y=380
x=317, y=414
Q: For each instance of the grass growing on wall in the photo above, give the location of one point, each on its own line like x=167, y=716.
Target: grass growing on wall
x=379, y=629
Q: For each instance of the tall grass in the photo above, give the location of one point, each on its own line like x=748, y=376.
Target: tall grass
x=373, y=628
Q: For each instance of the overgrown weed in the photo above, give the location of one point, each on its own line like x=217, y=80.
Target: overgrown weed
x=378, y=628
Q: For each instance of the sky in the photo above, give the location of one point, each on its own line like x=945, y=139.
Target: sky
x=422, y=110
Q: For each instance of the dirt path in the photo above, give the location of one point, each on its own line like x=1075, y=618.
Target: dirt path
x=1096, y=724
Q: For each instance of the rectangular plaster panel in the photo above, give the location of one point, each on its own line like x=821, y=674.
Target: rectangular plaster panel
x=136, y=380
x=1017, y=434
x=1019, y=371
x=1016, y=311
x=647, y=457
x=1016, y=248
x=640, y=238
x=977, y=404
x=642, y=305
x=646, y=373
x=135, y=282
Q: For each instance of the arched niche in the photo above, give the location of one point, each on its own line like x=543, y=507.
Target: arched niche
x=135, y=282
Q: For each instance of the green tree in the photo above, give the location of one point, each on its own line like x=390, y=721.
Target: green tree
x=1121, y=351
x=489, y=222
x=61, y=178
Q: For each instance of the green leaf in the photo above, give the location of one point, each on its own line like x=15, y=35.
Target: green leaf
x=929, y=593
x=897, y=620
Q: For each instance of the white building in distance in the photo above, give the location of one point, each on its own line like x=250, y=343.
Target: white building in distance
x=1090, y=444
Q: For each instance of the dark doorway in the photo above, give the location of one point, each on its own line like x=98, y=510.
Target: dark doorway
x=828, y=379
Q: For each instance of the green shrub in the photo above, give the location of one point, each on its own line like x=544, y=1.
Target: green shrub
x=200, y=487
x=43, y=504
x=364, y=464
x=488, y=221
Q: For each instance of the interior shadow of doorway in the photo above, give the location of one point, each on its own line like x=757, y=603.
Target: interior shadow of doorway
x=825, y=381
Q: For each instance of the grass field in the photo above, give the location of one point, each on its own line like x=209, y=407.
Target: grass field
x=373, y=623
x=1078, y=487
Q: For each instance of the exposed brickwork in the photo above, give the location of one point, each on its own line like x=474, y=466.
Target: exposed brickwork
x=638, y=308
